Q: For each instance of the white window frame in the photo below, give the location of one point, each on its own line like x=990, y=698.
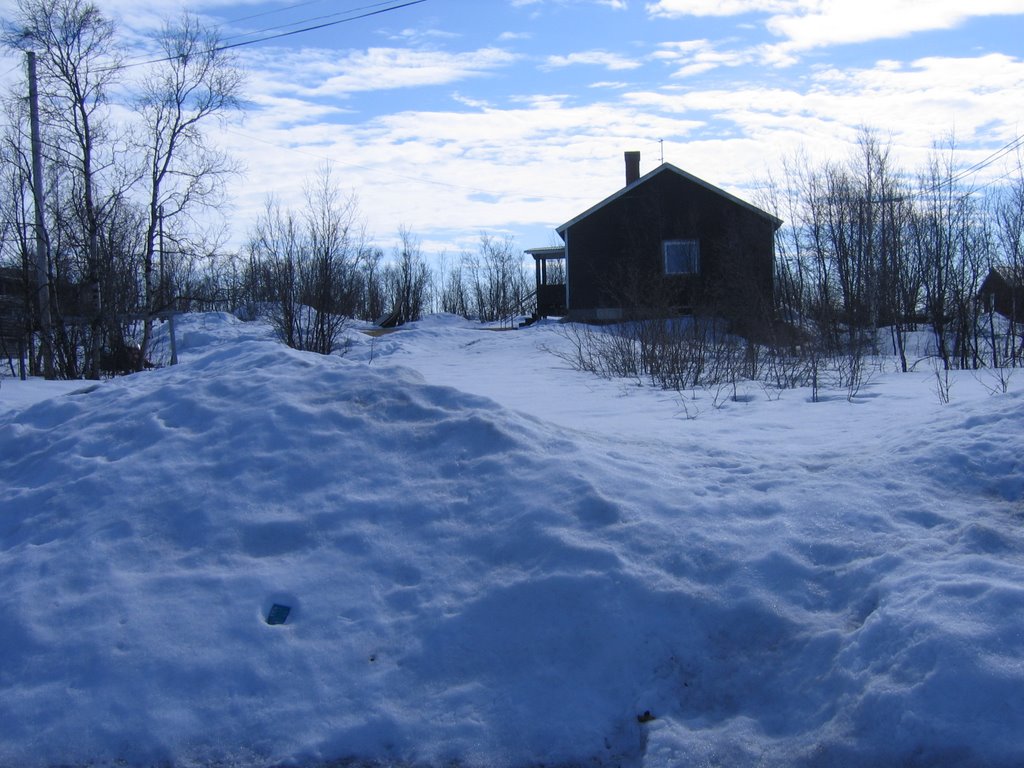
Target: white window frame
x=692, y=256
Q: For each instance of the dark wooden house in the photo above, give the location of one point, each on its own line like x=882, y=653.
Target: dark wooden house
x=1002, y=291
x=667, y=243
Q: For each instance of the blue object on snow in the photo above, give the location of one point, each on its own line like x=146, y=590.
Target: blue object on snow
x=278, y=614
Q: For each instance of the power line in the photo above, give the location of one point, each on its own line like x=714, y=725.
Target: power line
x=291, y=7
x=302, y=21
x=1004, y=177
x=321, y=26
x=982, y=164
x=960, y=175
x=312, y=28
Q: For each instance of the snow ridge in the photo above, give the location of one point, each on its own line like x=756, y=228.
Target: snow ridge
x=471, y=581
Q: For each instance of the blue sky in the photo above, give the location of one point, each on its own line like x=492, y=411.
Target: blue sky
x=454, y=117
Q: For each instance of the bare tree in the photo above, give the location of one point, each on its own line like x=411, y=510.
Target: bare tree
x=408, y=278
x=951, y=245
x=275, y=252
x=1008, y=212
x=307, y=267
x=195, y=82
x=18, y=308
x=499, y=280
x=373, y=301
x=452, y=289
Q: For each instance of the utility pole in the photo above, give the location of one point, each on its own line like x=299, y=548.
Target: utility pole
x=41, y=267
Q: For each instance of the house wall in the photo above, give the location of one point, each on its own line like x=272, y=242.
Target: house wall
x=998, y=294
x=13, y=320
x=615, y=260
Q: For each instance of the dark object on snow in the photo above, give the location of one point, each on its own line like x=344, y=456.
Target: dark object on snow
x=278, y=614
x=123, y=359
x=391, y=320
x=646, y=717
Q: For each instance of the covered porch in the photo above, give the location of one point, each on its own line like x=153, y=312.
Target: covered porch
x=549, y=265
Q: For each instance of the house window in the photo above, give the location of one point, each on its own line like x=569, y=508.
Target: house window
x=682, y=257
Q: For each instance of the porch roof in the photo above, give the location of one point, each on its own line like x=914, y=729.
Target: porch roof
x=547, y=253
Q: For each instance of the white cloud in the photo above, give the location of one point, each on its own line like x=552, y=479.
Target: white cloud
x=674, y=50
x=676, y=8
x=853, y=21
x=610, y=61
x=537, y=163
x=414, y=36
x=697, y=68
x=470, y=102
x=977, y=98
x=325, y=73
x=806, y=24
x=694, y=57
x=386, y=68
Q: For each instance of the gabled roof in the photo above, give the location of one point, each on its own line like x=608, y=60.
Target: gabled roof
x=669, y=168
x=1012, y=276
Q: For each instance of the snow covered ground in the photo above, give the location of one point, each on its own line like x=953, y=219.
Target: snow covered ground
x=493, y=560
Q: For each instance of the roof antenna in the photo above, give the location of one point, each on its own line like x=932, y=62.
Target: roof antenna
x=661, y=143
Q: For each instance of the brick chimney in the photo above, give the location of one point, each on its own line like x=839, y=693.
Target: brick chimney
x=632, y=167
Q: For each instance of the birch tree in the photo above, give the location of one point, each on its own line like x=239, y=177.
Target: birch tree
x=196, y=82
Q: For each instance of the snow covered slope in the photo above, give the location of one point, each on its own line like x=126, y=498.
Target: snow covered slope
x=495, y=561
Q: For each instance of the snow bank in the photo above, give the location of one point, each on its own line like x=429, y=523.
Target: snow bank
x=777, y=584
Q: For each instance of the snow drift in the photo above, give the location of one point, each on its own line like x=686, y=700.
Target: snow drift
x=776, y=583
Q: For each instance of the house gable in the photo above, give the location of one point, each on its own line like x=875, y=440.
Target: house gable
x=668, y=168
